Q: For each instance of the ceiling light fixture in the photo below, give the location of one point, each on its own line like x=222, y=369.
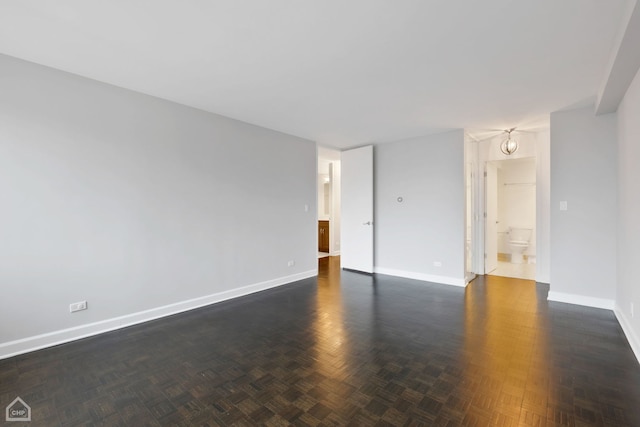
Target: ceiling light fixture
x=509, y=145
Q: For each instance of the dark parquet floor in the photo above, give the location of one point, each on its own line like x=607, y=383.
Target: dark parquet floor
x=347, y=349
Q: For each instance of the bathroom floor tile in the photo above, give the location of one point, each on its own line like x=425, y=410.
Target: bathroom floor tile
x=516, y=271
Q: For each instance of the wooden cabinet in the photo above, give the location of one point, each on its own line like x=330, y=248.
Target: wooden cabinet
x=323, y=236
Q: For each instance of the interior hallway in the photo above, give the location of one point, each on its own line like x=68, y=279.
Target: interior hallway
x=346, y=349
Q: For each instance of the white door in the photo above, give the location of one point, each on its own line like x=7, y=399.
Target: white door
x=491, y=225
x=356, y=252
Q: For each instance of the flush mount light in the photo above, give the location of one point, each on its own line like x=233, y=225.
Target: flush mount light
x=509, y=145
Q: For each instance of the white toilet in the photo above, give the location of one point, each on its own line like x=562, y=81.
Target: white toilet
x=518, y=243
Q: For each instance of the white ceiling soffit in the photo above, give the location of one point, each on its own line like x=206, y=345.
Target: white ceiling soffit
x=624, y=64
x=342, y=73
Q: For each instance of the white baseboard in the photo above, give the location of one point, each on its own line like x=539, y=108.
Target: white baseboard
x=607, y=304
x=37, y=342
x=632, y=338
x=445, y=280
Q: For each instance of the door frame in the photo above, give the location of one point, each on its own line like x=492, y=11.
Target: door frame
x=487, y=217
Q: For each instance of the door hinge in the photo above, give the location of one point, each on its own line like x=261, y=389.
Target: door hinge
x=485, y=174
x=485, y=214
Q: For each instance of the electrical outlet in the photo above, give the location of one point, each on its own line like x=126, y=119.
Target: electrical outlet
x=437, y=264
x=291, y=263
x=77, y=306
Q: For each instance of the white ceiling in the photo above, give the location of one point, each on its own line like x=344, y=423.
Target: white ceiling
x=343, y=73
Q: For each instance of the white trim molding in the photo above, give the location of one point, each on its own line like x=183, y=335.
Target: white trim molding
x=37, y=342
x=607, y=304
x=445, y=280
x=632, y=338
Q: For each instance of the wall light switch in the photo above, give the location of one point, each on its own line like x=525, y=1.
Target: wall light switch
x=563, y=205
x=77, y=306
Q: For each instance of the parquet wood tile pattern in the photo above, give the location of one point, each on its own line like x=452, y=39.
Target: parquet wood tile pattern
x=345, y=350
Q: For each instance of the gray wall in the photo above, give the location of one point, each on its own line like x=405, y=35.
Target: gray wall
x=583, y=238
x=428, y=226
x=628, y=291
x=134, y=203
x=543, y=214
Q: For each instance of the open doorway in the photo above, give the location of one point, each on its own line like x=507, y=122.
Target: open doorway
x=534, y=147
x=510, y=226
x=328, y=190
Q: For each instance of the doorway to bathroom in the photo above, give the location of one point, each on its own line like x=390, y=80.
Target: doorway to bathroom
x=328, y=192
x=510, y=227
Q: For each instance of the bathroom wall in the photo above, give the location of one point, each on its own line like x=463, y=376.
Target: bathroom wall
x=324, y=196
x=516, y=200
x=334, y=230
